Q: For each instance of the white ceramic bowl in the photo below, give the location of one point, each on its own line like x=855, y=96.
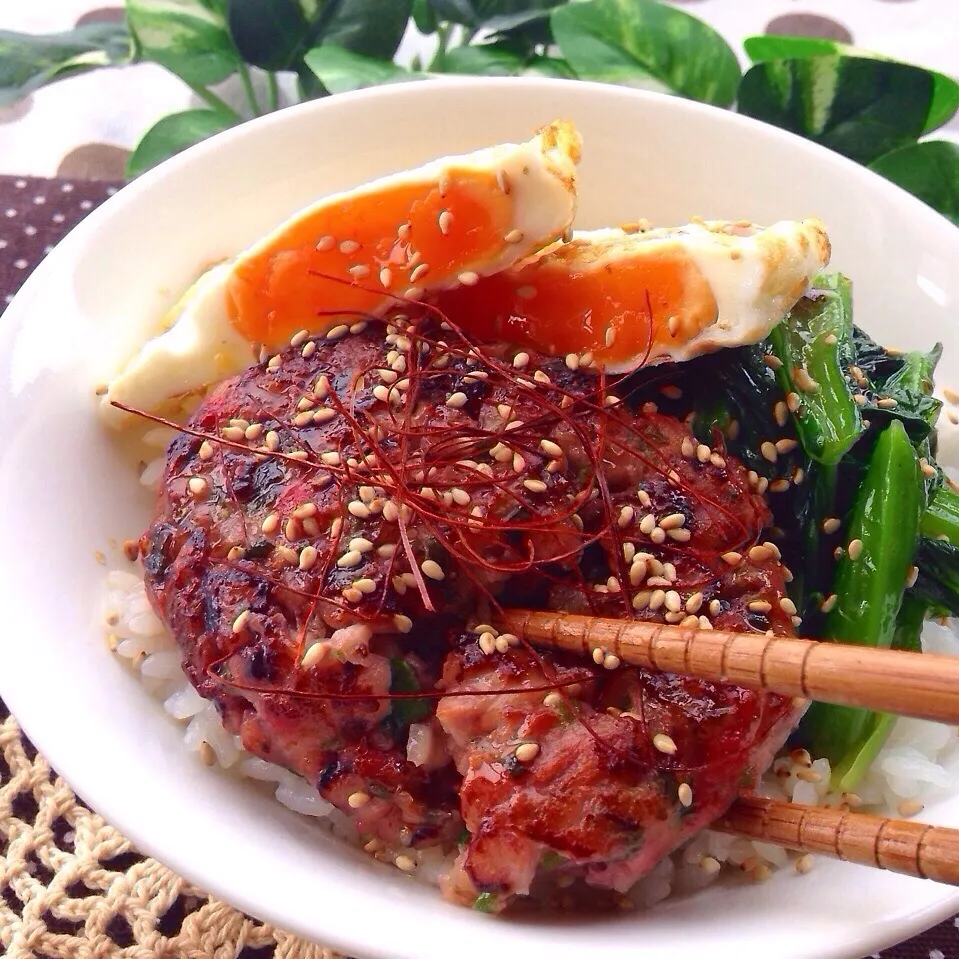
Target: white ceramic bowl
x=64, y=491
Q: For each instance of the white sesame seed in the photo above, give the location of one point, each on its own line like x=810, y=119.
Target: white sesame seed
x=457, y=400
x=350, y=559
x=673, y=601
x=854, y=549
x=672, y=521
x=831, y=524
x=468, y=278
x=361, y=544
x=647, y=524
x=685, y=794
x=514, y=236
x=308, y=557
x=694, y=603
x=349, y=246
x=358, y=799
x=433, y=570
x=519, y=464
x=526, y=752
x=664, y=744
x=403, y=623
x=768, y=451
x=912, y=576
x=641, y=600
x=358, y=271
x=773, y=362
x=759, y=606
x=338, y=332
x=550, y=448
x=709, y=865
x=535, y=486
x=358, y=509
x=240, y=622
x=759, y=553
x=656, y=599
x=405, y=863
x=444, y=221
x=732, y=558
x=325, y=243
x=197, y=485
x=703, y=453
x=521, y=361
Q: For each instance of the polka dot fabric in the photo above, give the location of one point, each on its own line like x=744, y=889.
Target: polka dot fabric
x=34, y=214
x=129, y=905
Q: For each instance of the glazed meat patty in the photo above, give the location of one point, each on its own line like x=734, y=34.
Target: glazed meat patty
x=335, y=523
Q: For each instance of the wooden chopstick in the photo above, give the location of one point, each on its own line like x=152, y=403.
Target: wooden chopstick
x=912, y=848
x=922, y=685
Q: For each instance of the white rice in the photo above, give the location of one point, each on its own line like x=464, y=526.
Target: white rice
x=919, y=763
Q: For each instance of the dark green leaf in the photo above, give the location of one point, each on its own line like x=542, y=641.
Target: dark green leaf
x=373, y=28
x=860, y=108
x=548, y=67
x=616, y=40
x=174, y=133
x=771, y=47
x=273, y=34
x=308, y=83
x=485, y=13
x=525, y=30
x=28, y=61
x=188, y=37
x=929, y=171
x=423, y=16
x=945, y=90
x=341, y=70
x=485, y=60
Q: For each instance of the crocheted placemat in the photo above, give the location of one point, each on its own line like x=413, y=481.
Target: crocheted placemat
x=71, y=886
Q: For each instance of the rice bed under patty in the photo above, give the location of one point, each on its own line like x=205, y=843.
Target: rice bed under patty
x=919, y=764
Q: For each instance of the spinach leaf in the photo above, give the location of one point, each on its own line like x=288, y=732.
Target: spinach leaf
x=174, y=133
x=905, y=378
x=341, y=70
x=860, y=108
x=927, y=170
x=29, y=61
x=945, y=92
x=612, y=40
x=188, y=37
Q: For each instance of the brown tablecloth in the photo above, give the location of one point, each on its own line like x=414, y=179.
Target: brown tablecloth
x=71, y=885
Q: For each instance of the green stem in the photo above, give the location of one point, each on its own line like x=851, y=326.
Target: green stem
x=273, y=93
x=248, y=90
x=210, y=98
x=444, y=31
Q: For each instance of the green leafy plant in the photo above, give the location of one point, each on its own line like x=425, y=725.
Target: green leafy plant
x=872, y=109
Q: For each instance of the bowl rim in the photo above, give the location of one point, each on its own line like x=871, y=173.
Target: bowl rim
x=18, y=698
